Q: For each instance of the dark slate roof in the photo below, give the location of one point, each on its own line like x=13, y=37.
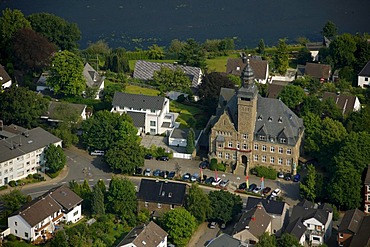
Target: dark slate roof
x=224, y=240
x=273, y=90
x=365, y=70
x=92, y=77
x=7, y=131
x=138, y=101
x=317, y=70
x=351, y=221
x=4, y=76
x=144, y=70
x=148, y=235
x=183, y=133
x=296, y=228
x=345, y=102
x=306, y=204
x=235, y=66
x=29, y=141
x=362, y=237
x=65, y=197
x=162, y=192
x=138, y=118
x=256, y=219
x=53, y=108
x=271, y=206
x=314, y=46
x=305, y=213
x=367, y=177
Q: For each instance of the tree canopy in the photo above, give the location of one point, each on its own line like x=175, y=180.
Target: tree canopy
x=55, y=158
x=197, y=203
x=266, y=240
x=224, y=205
x=168, y=79
x=330, y=30
x=281, y=61
x=156, y=52
x=288, y=240
x=292, y=96
x=308, y=186
x=97, y=201
x=190, y=141
x=192, y=54
x=12, y=201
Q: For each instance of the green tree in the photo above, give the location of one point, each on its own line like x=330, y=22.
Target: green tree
x=156, y=52
x=261, y=47
x=281, y=61
x=180, y=225
x=288, y=240
x=342, y=50
x=66, y=74
x=57, y=30
x=224, y=205
x=125, y=156
x=329, y=30
x=143, y=216
x=12, y=201
x=308, y=186
x=266, y=240
x=292, y=96
x=330, y=109
x=311, y=104
x=66, y=134
x=168, y=79
x=190, y=141
x=25, y=112
x=122, y=199
x=197, y=203
x=60, y=239
x=176, y=46
x=55, y=158
x=192, y=54
x=100, y=184
x=97, y=201
x=304, y=55
x=100, y=47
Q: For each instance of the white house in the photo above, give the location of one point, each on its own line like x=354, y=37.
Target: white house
x=38, y=218
x=22, y=154
x=5, y=80
x=150, y=235
x=93, y=80
x=150, y=114
x=260, y=67
x=364, y=76
x=346, y=103
x=178, y=137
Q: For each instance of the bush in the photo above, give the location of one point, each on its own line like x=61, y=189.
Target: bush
x=181, y=98
x=213, y=164
x=4, y=187
x=36, y=176
x=266, y=172
x=221, y=167
x=12, y=183
x=11, y=237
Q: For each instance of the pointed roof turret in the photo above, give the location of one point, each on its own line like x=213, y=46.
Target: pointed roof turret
x=247, y=75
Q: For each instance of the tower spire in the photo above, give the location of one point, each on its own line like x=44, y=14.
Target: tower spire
x=247, y=76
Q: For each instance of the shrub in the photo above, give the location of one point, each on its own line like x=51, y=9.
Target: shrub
x=266, y=172
x=4, y=187
x=221, y=167
x=12, y=183
x=213, y=164
x=11, y=237
x=181, y=98
x=36, y=176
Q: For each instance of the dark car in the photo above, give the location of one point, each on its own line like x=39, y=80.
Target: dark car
x=252, y=187
x=148, y=156
x=242, y=186
x=266, y=190
x=171, y=175
x=164, y=174
x=156, y=173
x=138, y=171
x=288, y=177
x=163, y=158
x=209, y=180
x=296, y=178
x=204, y=164
x=186, y=177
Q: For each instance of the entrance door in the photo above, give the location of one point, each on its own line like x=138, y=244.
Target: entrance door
x=6, y=180
x=245, y=163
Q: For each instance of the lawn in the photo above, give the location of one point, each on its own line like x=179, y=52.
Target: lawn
x=189, y=116
x=133, y=89
x=217, y=64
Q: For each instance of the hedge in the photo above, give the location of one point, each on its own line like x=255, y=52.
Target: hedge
x=266, y=172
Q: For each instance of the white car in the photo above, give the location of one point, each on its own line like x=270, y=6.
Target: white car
x=224, y=183
x=217, y=181
x=147, y=172
x=276, y=192
x=257, y=190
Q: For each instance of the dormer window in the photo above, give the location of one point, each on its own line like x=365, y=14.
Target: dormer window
x=259, y=118
x=270, y=119
x=282, y=140
x=280, y=120
x=262, y=138
x=238, y=68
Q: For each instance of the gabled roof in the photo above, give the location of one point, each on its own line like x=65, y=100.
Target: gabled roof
x=271, y=206
x=224, y=240
x=92, y=77
x=138, y=118
x=362, y=237
x=148, y=235
x=296, y=228
x=367, y=177
x=345, y=102
x=351, y=221
x=183, y=133
x=65, y=197
x=306, y=211
x=26, y=142
x=162, y=192
x=235, y=66
x=317, y=70
x=314, y=46
x=138, y=101
x=273, y=90
x=4, y=76
x=365, y=70
x=144, y=70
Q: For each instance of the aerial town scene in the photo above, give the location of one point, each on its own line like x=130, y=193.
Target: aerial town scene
x=184, y=123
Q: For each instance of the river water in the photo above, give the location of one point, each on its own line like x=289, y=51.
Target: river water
x=138, y=23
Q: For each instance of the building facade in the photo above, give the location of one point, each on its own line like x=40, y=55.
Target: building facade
x=250, y=130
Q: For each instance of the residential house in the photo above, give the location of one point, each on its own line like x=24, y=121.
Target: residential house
x=178, y=137
x=311, y=223
x=145, y=70
x=346, y=103
x=23, y=153
x=364, y=76
x=276, y=209
x=160, y=196
x=252, y=224
x=5, y=80
x=349, y=226
x=224, y=240
x=39, y=218
x=275, y=88
x=93, y=80
x=318, y=71
x=362, y=236
x=148, y=235
x=367, y=192
x=41, y=82
x=314, y=48
x=150, y=114
x=56, y=110
x=235, y=66
x=250, y=130
x=174, y=95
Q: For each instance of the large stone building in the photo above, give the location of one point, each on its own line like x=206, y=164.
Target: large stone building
x=250, y=130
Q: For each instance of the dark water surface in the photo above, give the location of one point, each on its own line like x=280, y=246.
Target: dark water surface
x=137, y=23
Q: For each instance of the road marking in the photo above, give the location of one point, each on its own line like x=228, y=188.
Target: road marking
x=63, y=182
x=91, y=180
x=109, y=179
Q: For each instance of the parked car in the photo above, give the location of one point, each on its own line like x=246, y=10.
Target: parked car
x=296, y=178
x=204, y=164
x=147, y=172
x=163, y=158
x=288, y=177
x=195, y=177
x=266, y=190
x=257, y=190
x=216, y=182
x=171, y=175
x=252, y=187
x=156, y=173
x=224, y=183
x=138, y=171
x=280, y=174
x=164, y=174
x=276, y=192
x=242, y=186
x=97, y=153
x=223, y=226
x=212, y=225
x=186, y=177
x=210, y=180
x=148, y=156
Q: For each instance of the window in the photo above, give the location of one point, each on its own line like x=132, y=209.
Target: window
x=366, y=79
x=272, y=149
x=282, y=140
x=255, y=146
x=15, y=231
x=288, y=162
x=368, y=209
x=280, y=161
x=238, y=145
x=15, y=223
x=159, y=205
x=230, y=144
x=152, y=123
x=219, y=154
x=316, y=239
x=172, y=206
x=368, y=197
x=75, y=213
x=262, y=138
x=26, y=234
x=281, y=150
x=264, y=148
x=256, y=157
x=220, y=145
x=272, y=160
x=152, y=111
x=234, y=156
x=289, y=151
x=341, y=235
x=227, y=156
x=368, y=188
x=146, y=204
x=245, y=146
x=263, y=158
x=245, y=136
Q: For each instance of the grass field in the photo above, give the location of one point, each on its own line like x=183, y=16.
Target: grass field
x=189, y=116
x=141, y=90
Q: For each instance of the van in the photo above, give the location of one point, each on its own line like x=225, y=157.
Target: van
x=97, y=153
